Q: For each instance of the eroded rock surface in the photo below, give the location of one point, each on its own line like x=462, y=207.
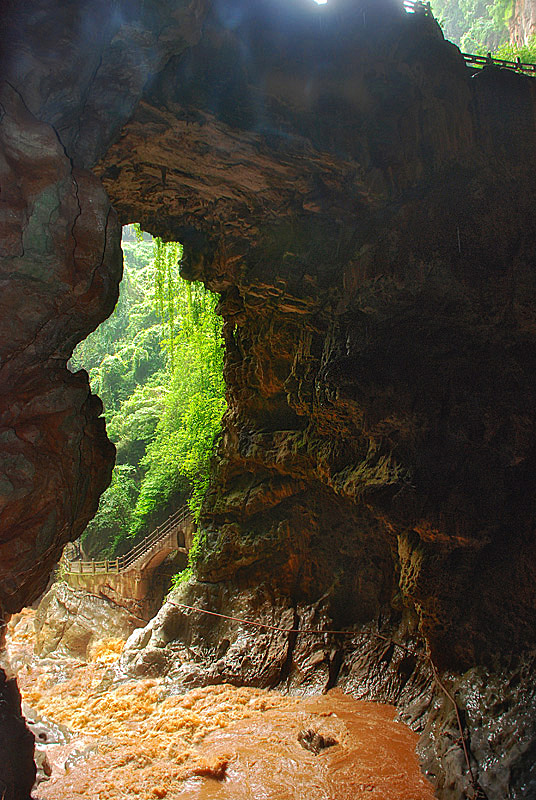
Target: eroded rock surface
x=384, y=660
x=61, y=263
x=373, y=246
x=523, y=22
x=70, y=622
x=365, y=209
x=368, y=224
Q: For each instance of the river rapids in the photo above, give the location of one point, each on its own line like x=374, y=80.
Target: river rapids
x=140, y=739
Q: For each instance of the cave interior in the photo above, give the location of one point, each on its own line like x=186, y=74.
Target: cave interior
x=363, y=204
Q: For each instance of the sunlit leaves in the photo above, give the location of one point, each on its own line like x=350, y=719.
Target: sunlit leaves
x=477, y=26
x=526, y=53
x=157, y=364
x=193, y=407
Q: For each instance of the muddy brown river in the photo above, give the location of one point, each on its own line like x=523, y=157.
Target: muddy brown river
x=140, y=740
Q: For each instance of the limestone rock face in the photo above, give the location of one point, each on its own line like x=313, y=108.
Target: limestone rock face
x=72, y=78
x=71, y=622
x=523, y=22
x=365, y=208
x=363, y=205
x=61, y=263
x=83, y=69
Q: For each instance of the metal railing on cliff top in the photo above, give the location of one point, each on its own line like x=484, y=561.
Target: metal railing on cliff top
x=478, y=61
x=124, y=563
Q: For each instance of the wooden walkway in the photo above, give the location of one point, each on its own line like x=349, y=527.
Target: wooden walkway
x=174, y=534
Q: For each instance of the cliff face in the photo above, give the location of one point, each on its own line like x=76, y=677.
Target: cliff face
x=365, y=209
x=523, y=22
x=60, y=267
x=72, y=79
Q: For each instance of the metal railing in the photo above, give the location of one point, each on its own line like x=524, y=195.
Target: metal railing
x=153, y=541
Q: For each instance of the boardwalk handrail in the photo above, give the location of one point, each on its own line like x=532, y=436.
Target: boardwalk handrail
x=417, y=7
x=124, y=562
x=490, y=61
x=479, y=61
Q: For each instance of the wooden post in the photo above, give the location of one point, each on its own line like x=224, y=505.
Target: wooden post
x=117, y=565
x=94, y=570
x=106, y=565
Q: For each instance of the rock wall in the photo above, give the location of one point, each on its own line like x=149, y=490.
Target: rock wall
x=523, y=22
x=371, y=239
x=364, y=206
x=70, y=622
x=70, y=80
x=383, y=660
x=17, y=768
x=61, y=263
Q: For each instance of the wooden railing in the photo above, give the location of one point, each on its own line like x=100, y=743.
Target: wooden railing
x=418, y=7
x=153, y=541
x=489, y=61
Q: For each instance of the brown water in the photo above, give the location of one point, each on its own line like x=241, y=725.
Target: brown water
x=216, y=743
x=371, y=757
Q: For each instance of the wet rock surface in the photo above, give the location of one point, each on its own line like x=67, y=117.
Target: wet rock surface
x=70, y=622
x=17, y=768
x=46, y=733
x=365, y=209
x=61, y=262
x=372, y=312
x=367, y=453
x=384, y=661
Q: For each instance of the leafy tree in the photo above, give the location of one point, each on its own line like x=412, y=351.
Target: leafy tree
x=114, y=514
x=180, y=453
x=477, y=26
x=157, y=364
x=527, y=53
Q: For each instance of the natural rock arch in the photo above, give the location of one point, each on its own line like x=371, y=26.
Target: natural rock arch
x=364, y=208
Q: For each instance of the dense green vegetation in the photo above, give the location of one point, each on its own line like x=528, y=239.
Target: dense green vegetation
x=482, y=26
x=476, y=26
x=527, y=54
x=157, y=364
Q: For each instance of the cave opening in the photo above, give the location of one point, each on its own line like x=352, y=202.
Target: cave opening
x=157, y=365
x=362, y=203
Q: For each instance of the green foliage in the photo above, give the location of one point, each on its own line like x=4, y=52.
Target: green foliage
x=476, y=26
x=157, y=363
x=182, y=447
x=134, y=425
x=126, y=349
x=114, y=514
x=180, y=578
x=198, y=549
x=527, y=53
x=167, y=256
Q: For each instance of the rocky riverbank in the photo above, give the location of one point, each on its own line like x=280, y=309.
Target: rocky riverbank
x=102, y=733
x=97, y=692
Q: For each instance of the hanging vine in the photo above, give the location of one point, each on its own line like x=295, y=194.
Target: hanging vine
x=167, y=256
